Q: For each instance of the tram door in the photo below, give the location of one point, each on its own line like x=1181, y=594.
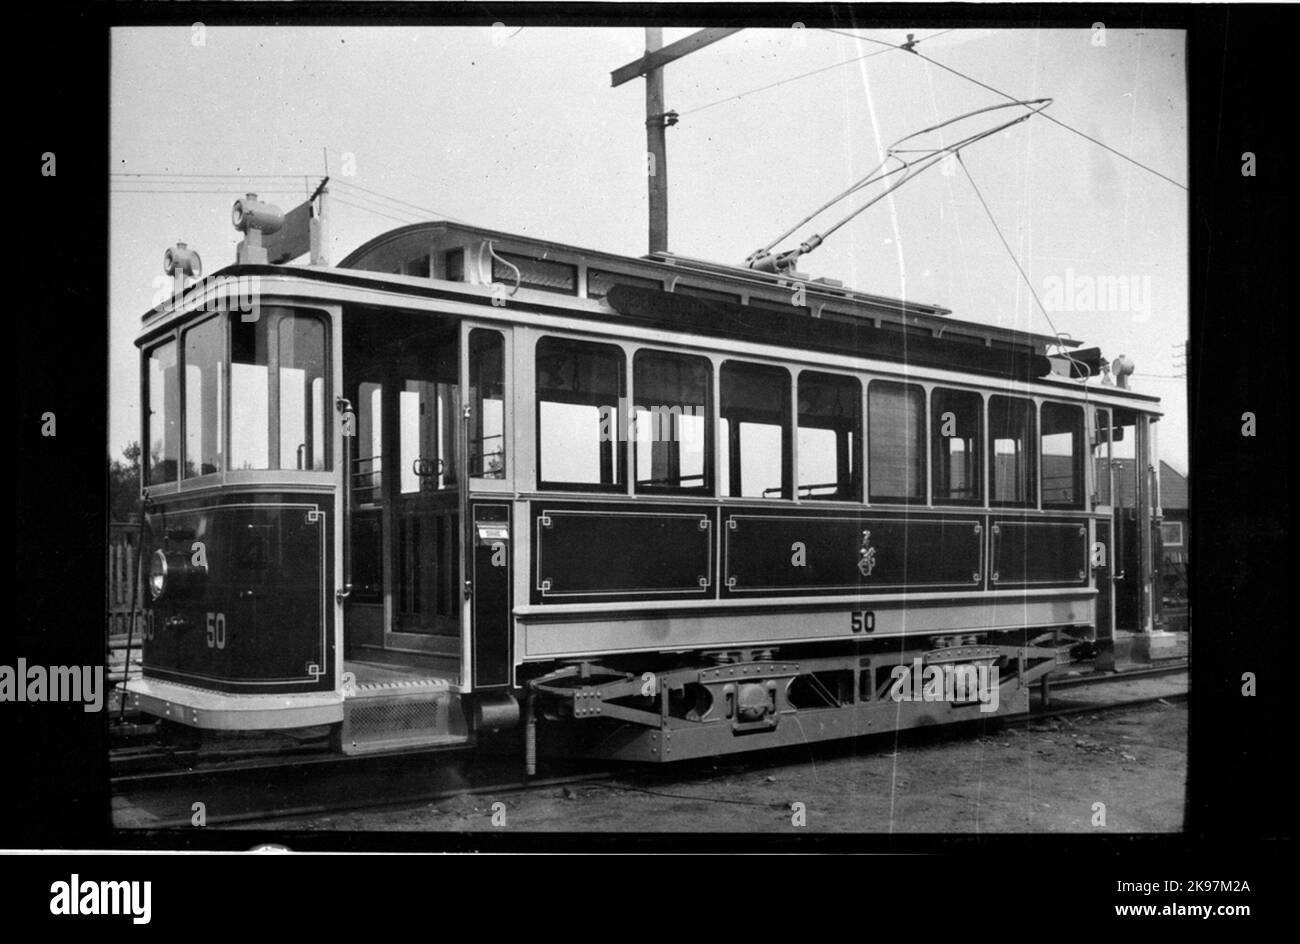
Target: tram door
x=401, y=373
x=1123, y=468
x=426, y=501
x=1103, y=566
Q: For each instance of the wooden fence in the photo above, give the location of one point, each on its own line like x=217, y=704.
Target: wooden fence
x=123, y=558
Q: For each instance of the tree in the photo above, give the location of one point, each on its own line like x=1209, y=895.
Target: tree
x=124, y=484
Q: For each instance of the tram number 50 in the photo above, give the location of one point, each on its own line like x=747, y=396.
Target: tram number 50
x=216, y=630
x=862, y=621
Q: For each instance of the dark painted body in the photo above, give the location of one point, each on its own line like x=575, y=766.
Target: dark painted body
x=262, y=621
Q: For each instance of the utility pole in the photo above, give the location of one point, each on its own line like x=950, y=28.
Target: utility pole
x=656, y=144
x=656, y=119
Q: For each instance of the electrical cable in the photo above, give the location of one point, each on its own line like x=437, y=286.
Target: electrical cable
x=1005, y=95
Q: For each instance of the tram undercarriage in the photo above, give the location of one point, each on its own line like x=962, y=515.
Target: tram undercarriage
x=744, y=700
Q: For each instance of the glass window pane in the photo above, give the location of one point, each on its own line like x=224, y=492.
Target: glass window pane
x=367, y=473
x=896, y=456
x=296, y=394
x=599, y=283
x=250, y=440
x=162, y=425
x=830, y=428
x=1101, y=456
x=1011, y=428
x=579, y=430
x=301, y=356
x=957, y=418
x=544, y=274
x=205, y=349
x=755, y=412
x=1062, y=455
x=673, y=419
x=417, y=433
x=487, y=444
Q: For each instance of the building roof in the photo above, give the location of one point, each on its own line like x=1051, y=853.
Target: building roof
x=1173, y=485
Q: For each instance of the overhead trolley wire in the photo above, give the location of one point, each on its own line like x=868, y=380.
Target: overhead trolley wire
x=364, y=199
x=908, y=166
x=1024, y=275
x=909, y=47
x=414, y=206
x=795, y=78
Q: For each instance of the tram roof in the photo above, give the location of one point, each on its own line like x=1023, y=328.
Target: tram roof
x=385, y=253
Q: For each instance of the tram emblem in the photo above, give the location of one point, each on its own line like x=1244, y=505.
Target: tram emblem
x=866, y=555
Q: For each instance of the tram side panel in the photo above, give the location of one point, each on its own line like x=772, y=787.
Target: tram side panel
x=902, y=574
x=245, y=593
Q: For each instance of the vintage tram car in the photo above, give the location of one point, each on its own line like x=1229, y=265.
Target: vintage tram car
x=656, y=507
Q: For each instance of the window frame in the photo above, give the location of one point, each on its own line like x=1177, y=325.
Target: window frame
x=1164, y=542
x=508, y=257
x=276, y=311
x=923, y=449
x=856, y=451
x=1032, y=451
x=788, y=429
x=146, y=426
x=708, y=487
x=1080, y=440
x=937, y=391
x=619, y=449
x=223, y=371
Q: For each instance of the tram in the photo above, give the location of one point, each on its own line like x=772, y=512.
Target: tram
x=642, y=508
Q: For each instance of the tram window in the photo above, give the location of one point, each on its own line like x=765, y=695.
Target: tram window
x=599, y=283
x=957, y=418
x=579, y=430
x=896, y=451
x=426, y=412
x=301, y=354
x=544, y=274
x=755, y=431
x=205, y=350
x=487, y=443
x=249, y=404
x=1062, y=455
x=1101, y=456
x=368, y=473
x=162, y=425
x=453, y=262
x=278, y=421
x=673, y=416
x=830, y=430
x=1011, y=428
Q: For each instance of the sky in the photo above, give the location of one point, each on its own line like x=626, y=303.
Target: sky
x=519, y=130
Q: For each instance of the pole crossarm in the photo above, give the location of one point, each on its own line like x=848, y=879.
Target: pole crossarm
x=661, y=57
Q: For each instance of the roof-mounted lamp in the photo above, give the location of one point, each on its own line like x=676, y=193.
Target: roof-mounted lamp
x=181, y=262
x=254, y=219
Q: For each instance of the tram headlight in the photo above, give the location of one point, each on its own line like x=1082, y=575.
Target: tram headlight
x=250, y=213
x=183, y=258
x=173, y=576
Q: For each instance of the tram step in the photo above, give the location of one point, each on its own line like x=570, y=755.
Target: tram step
x=388, y=721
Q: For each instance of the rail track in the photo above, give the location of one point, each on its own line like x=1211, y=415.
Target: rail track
x=158, y=789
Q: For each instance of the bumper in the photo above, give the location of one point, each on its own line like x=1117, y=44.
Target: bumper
x=220, y=711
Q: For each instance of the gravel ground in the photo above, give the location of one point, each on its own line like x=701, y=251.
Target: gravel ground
x=1043, y=777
